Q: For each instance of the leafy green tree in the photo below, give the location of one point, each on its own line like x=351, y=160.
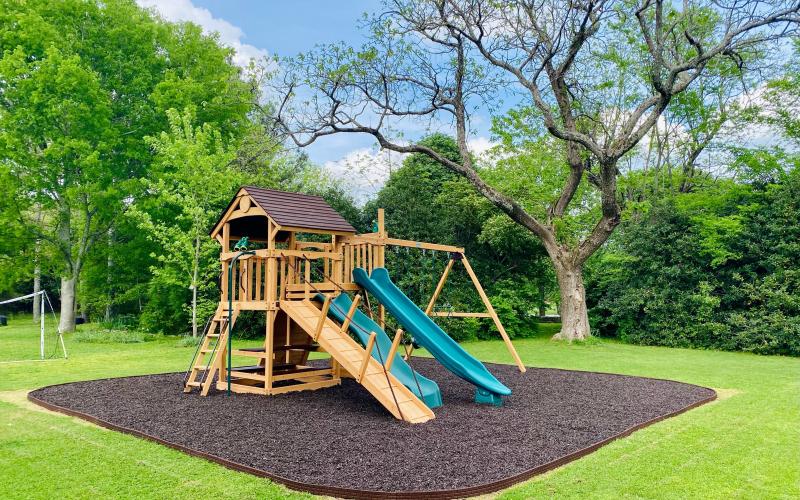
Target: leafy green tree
x=196, y=181
x=82, y=83
x=409, y=195
x=425, y=202
x=715, y=269
x=599, y=76
x=782, y=106
x=56, y=136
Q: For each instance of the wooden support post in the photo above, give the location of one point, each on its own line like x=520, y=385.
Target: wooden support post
x=367, y=355
x=251, y=271
x=325, y=306
x=382, y=234
x=270, y=239
x=284, y=277
x=271, y=297
x=240, y=293
x=350, y=313
x=222, y=347
x=307, y=279
x=493, y=314
x=226, y=237
x=439, y=287
x=258, y=262
x=335, y=264
x=224, y=282
x=395, y=344
x=268, y=351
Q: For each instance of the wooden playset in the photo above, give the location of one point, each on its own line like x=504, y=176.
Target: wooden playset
x=308, y=249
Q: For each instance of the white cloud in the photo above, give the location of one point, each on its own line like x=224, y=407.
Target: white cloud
x=364, y=171
x=229, y=35
x=480, y=145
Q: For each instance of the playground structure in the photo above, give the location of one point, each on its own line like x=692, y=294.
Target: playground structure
x=311, y=258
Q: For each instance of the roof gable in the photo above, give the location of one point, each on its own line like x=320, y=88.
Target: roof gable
x=295, y=210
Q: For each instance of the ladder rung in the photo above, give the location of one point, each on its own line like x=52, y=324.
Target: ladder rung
x=194, y=384
x=213, y=335
x=206, y=351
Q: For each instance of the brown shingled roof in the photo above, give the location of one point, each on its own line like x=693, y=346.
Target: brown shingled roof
x=299, y=210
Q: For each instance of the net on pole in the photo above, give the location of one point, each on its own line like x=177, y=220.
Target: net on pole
x=42, y=329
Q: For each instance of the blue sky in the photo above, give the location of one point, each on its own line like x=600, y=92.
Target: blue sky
x=286, y=28
x=259, y=28
x=267, y=27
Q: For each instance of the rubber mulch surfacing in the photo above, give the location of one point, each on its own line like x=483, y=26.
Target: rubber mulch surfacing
x=340, y=441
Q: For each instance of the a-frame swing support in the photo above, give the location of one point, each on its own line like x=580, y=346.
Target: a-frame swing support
x=456, y=254
x=490, y=312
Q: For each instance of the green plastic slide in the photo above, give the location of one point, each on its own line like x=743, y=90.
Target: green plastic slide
x=361, y=326
x=428, y=334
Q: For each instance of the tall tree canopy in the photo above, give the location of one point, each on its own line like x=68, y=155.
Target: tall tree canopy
x=81, y=84
x=596, y=76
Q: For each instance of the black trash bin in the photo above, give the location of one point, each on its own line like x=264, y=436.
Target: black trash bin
x=3, y=320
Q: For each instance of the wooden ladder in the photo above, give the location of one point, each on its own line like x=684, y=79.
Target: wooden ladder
x=209, y=356
x=372, y=375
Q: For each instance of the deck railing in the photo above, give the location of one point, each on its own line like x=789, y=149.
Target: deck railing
x=280, y=274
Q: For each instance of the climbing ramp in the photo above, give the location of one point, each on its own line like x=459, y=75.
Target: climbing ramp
x=361, y=326
x=357, y=361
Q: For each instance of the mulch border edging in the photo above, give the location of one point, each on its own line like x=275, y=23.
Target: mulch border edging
x=366, y=494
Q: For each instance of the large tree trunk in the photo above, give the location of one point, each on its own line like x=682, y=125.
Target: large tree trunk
x=574, y=314
x=67, y=321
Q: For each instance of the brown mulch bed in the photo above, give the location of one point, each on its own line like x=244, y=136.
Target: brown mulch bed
x=340, y=441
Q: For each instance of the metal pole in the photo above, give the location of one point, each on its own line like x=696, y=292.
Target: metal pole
x=230, y=311
x=41, y=326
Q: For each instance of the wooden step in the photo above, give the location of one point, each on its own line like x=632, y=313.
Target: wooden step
x=296, y=347
x=251, y=389
x=252, y=354
x=247, y=375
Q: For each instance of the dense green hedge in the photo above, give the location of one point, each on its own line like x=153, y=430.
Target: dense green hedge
x=724, y=276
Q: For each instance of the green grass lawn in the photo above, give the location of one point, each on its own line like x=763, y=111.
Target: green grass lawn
x=745, y=445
